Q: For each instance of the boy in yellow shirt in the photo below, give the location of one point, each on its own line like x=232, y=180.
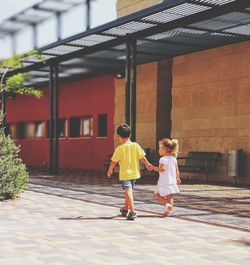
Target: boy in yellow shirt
x=127, y=154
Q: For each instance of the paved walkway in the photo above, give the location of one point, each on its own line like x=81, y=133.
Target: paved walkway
x=73, y=219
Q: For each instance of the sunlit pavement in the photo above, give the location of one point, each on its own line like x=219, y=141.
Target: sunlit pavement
x=74, y=219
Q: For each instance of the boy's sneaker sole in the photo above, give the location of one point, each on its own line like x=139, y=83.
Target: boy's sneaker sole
x=131, y=216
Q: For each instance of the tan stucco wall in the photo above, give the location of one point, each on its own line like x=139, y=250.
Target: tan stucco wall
x=211, y=102
x=125, y=7
x=153, y=104
x=149, y=86
x=146, y=104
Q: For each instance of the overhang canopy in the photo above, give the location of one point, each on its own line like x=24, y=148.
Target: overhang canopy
x=35, y=14
x=166, y=30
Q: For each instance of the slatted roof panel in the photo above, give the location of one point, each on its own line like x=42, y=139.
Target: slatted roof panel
x=35, y=14
x=169, y=29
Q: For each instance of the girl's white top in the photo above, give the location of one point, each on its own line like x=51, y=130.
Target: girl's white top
x=167, y=179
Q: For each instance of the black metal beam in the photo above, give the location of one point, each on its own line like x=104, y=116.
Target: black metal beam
x=133, y=90
x=182, y=22
x=51, y=120
x=3, y=96
x=59, y=25
x=13, y=43
x=88, y=10
x=34, y=29
x=127, y=83
x=56, y=120
x=3, y=100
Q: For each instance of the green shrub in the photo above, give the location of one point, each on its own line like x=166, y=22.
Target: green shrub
x=13, y=173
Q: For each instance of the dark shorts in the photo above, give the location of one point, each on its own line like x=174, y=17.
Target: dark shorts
x=128, y=183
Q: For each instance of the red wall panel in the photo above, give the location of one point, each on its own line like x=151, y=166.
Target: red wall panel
x=88, y=97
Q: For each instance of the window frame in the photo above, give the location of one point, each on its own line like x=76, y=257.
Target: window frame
x=81, y=125
x=98, y=126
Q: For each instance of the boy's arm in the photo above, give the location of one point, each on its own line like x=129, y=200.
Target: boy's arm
x=146, y=163
x=111, y=167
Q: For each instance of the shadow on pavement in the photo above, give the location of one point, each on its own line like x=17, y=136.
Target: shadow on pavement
x=199, y=205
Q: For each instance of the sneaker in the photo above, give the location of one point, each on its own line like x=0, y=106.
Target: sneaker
x=170, y=213
x=123, y=212
x=167, y=209
x=131, y=216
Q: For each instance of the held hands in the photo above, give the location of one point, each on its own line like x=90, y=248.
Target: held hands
x=149, y=167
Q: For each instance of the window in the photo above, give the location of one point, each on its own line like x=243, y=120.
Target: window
x=62, y=128
x=102, y=125
x=81, y=127
x=20, y=130
x=39, y=129
x=29, y=130
x=34, y=129
x=86, y=125
x=12, y=131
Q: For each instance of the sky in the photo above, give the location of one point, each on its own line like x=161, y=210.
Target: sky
x=103, y=11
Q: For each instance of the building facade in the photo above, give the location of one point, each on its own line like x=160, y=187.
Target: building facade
x=201, y=98
x=86, y=110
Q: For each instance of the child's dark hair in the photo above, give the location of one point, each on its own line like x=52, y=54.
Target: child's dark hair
x=123, y=131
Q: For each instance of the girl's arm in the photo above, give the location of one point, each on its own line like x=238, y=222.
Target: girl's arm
x=178, y=180
x=111, y=167
x=161, y=168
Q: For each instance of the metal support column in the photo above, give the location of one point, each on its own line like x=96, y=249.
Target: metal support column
x=127, y=84
x=58, y=26
x=133, y=90
x=88, y=14
x=130, y=87
x=51, y=121
x=3, y=100
x=56, y=120
x=13, y=43
x=4, y=111
x=34, y=29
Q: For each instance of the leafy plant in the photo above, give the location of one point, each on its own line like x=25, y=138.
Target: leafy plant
x=16, y=83
x=13, y=172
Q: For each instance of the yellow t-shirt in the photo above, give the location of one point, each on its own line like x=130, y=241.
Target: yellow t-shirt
x=128, y=155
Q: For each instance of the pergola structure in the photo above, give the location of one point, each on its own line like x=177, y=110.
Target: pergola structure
x=37, y=13
x=166, y=30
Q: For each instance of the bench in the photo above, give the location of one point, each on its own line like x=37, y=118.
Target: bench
x=199, y=162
